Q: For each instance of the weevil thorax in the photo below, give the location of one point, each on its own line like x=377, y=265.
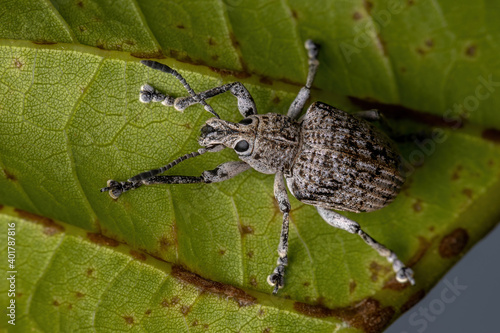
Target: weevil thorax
x=268, y=142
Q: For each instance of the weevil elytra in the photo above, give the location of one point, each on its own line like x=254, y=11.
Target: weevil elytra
x=329, y=158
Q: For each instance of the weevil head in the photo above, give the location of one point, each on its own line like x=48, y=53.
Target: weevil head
x=268, y=142
x=238, y=136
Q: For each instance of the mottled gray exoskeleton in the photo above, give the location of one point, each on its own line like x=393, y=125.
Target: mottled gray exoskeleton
x=329, y=159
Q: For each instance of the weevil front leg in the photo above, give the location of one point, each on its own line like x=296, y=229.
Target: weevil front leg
x=337, y=220
x=246, y=104
x=277, y=279
x=304, y=93
x=221, y=173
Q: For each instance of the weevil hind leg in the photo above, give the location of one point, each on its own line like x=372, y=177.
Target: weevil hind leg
x=277, y=278
x=305, y=92
x=403, y=273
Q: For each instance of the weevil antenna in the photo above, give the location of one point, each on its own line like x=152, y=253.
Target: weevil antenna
x=154, y=172
x=165, y=69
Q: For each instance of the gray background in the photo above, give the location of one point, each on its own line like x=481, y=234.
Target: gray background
x=476, y=309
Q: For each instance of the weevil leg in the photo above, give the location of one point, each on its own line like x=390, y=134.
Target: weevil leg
x=337, y=220
x=221, y=173
x=304, y=93
x=277, y=279
x=246, y=104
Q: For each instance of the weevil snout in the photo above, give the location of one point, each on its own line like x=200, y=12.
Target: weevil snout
x=222, y=132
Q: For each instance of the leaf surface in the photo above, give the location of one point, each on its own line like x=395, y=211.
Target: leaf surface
x=196, y=257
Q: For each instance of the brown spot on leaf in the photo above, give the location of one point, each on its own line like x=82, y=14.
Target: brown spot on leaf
x=276, y=100
x=414, y=299
x=429, y=43
x=56, y=303
x=185, y=310
x=471, y=50
x=234, y=41
x=453, y=244
x=175, y=300
x=295, y=15
x=79, y=294
x=138, y=255
x=1, y=206
x=70, y=306
x=165, y=243
x=211, y=41
x=10, y=176
x=253, y=281
x=158, y=54
x=205, y=326
x=245, y=229
x=102, y=240
x=222, y=252
x=376, y=268
x=215, y=57
x=226, y=72
x=403, y=69
x=266, y=330
x=250, y=254
x=89, y=272
x=100, y=44
x=18, y=63
x=181, y=26
x=130, y=42
x=129, y=320
x=194, y=323
x=352, y=286
x=367, y=315
x=491, y=134
x=240, y=296
x=50, y=227
x=410, y=3
x=395, y=111
x=456, y=172
x=368, y=6
x=266, y=80
x=306, y=284
x=148, y=312
x=417, y=206
x=357, y=16
x=261, y=312
x=80, y=4
x=82, y=28
x=421, y=51
x=468, y=192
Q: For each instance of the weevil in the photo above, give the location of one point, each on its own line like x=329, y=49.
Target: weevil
x=329, y=159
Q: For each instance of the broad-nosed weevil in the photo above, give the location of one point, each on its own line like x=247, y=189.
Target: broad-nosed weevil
x=329, y=158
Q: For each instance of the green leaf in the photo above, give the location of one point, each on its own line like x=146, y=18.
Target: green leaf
x=196, y=257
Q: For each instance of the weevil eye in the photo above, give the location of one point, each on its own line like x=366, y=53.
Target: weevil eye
x=242, y=146
x=246, y=121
